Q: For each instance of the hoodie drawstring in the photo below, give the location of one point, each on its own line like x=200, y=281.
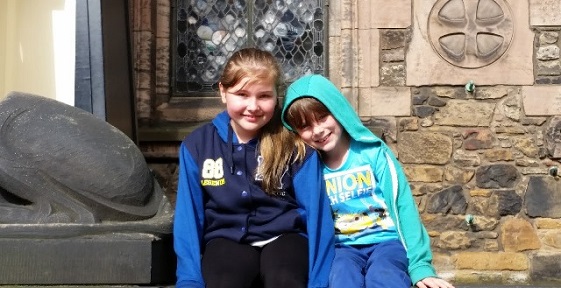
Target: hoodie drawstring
x=231, y=148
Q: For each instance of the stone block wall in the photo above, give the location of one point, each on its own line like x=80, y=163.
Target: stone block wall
x=472, y=110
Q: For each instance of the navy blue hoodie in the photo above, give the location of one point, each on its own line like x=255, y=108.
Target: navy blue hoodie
x=218, y=196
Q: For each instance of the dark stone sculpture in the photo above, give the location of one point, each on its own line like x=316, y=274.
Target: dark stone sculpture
x=60, y=164
x=78, y=203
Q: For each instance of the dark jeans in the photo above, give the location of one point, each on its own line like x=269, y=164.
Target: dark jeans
x=279, y=264
x=370, y=266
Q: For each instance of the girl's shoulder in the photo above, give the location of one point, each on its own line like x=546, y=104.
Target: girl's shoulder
x=308, y=153
x=199, y=132
x=202, y=135
x=368, y=147
x=216, y=127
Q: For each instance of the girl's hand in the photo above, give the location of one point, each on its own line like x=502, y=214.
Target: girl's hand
x=432, y=282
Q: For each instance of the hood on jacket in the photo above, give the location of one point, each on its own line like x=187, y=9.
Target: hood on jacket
x=320, y=88
x=222, y=123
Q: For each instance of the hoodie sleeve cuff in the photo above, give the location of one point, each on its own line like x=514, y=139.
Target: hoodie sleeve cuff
x=422, y=272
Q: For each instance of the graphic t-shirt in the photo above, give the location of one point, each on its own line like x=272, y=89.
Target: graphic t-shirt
x=359, y=210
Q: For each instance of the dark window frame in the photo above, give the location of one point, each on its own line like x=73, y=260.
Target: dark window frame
x=103, y=73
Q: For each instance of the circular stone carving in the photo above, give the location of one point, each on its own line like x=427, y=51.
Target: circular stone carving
x=470, y=33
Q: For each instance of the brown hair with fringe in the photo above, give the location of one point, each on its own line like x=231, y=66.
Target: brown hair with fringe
x=277, y=145
x=304, y=111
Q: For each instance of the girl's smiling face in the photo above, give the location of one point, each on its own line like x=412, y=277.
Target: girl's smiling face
x=250, y=104
x=317, y=126
x=324, y=134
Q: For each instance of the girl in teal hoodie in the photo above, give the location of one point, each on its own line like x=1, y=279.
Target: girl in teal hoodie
x=380, y=240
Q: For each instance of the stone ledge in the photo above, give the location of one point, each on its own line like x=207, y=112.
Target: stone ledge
x=162, y=141
x=102, y=259
x=172, y=286
x=108, y=253
x=166, y=132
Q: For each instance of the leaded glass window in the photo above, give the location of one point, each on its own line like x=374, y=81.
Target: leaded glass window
x=207, y=32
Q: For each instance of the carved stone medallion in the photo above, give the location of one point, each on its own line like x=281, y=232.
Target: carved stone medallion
x=470, y=33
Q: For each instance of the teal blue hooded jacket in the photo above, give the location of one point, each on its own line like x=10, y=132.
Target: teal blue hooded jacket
x=396, y=190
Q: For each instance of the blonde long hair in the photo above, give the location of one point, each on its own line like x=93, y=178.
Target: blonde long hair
x=277, y=145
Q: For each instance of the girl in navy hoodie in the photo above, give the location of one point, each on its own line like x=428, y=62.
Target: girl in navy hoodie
x=251, y=201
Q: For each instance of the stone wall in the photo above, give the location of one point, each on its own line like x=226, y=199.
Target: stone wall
x=467, y=94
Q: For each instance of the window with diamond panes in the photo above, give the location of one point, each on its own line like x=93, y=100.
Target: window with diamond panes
x=208, y=32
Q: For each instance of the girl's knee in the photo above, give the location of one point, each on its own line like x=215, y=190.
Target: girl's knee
x=285, y=278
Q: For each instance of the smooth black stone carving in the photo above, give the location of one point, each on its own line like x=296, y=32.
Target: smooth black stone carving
x=60, y=164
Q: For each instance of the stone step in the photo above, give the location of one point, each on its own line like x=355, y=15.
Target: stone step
x=546, y=285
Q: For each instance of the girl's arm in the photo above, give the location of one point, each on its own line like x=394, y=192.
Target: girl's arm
x=188, y=223
x=406, y=215
x=309, y=187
